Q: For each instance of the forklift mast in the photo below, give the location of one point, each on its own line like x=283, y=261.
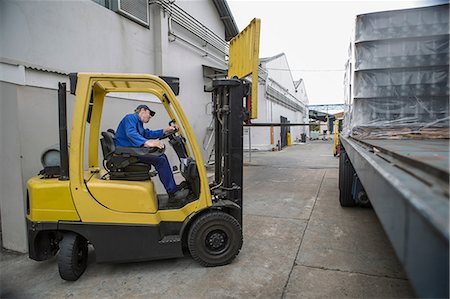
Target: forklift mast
x=230, y=98
x=235, y=103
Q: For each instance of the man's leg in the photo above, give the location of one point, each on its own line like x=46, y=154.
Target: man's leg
x=165, y=173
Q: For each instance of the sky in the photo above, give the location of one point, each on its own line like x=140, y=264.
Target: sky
x=314, y=35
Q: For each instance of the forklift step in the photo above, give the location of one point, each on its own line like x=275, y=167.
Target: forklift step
x=170, y=239
x=163, y=200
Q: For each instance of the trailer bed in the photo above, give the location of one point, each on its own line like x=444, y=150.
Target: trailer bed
x=432, y=153
x=407, y=182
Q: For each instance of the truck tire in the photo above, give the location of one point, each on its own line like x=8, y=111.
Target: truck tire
x=215, y=239
x=346, y=172
x=73, y=256
x=364, y=201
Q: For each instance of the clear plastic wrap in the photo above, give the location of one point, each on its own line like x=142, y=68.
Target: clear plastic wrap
x=417, y=22
x=417, y=82
x=397, y=76
x=427, y=51
x=400, y=117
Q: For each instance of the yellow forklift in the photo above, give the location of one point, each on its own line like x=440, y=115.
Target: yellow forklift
x=115, y=207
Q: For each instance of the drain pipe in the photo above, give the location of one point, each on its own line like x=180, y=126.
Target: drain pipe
x=204, y=51
x=188, y=22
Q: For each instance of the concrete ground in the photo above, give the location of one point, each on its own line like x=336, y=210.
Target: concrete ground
x=298, y=243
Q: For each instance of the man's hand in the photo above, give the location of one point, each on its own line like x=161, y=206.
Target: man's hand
x=154, y=143
x=170, y=129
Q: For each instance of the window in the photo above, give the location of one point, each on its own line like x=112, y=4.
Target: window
x=135, y=10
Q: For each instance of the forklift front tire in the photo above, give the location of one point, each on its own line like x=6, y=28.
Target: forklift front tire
x=215, y=239
x=73, y=256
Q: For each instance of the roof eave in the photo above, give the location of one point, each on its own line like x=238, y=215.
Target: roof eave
x=231, y=29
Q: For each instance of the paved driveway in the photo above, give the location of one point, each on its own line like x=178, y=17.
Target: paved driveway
x=298, y=243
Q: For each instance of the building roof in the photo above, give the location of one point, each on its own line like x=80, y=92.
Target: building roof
x=297, y=83
x=319, y=115
x=266, y=59
x=231, y=29
x=339, y=114
x=32, y=66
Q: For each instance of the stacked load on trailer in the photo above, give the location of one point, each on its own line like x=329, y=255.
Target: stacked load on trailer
x=397, y=78
x=394, y=150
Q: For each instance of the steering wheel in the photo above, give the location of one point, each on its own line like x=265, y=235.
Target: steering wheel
x=170, y=135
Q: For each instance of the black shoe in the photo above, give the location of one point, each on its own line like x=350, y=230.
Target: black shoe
x=182, y=185
x=178, y=196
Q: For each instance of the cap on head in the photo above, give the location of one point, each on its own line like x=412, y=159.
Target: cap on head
x=138, y=108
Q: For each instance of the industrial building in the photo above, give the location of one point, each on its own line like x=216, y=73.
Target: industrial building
x=281, y=99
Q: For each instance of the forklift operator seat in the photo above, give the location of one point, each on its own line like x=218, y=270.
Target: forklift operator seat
x=123, y=163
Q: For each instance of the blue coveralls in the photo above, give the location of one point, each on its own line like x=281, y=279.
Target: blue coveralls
x=131, y=133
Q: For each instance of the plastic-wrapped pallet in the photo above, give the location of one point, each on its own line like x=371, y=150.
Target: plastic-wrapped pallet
x=397, y=76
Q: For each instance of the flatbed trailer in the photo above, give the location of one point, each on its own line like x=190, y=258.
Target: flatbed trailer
x=407, y=183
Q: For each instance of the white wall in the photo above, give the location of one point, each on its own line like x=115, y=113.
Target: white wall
x=260, y=136
x=301, y=93
x=74, y=36
x=278, y=70
x=208, y=15
x=195, y=102
x=270, y=111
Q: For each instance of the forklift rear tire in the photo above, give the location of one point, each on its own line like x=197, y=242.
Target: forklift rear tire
x=215, y=239
x=346, y=172
x=73, y=256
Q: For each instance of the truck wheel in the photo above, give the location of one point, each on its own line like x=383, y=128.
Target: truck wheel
x=215, y=239
x=346, y=172
x=73, y=256
x=364, y=201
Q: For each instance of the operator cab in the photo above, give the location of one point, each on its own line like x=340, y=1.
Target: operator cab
x=188, y=166
x=124, y=184
x=122, y=163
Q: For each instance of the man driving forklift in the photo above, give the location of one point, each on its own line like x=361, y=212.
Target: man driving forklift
x=116, y=209
x=131, y=133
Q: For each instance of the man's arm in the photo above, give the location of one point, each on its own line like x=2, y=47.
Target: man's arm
x=154, y=143
x=156, y=134
x=153, y=134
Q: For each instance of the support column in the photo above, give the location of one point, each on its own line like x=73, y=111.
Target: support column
x=12, y=201
x=161, y=38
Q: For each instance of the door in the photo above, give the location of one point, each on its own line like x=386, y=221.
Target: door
x=284, y=131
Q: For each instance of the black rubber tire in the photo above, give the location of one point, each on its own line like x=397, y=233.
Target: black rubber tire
x=73, y=256
x=366, y=202
x=215, y=239
x=346, y=172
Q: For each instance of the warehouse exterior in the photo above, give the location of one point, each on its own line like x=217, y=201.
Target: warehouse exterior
x=280, y=99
